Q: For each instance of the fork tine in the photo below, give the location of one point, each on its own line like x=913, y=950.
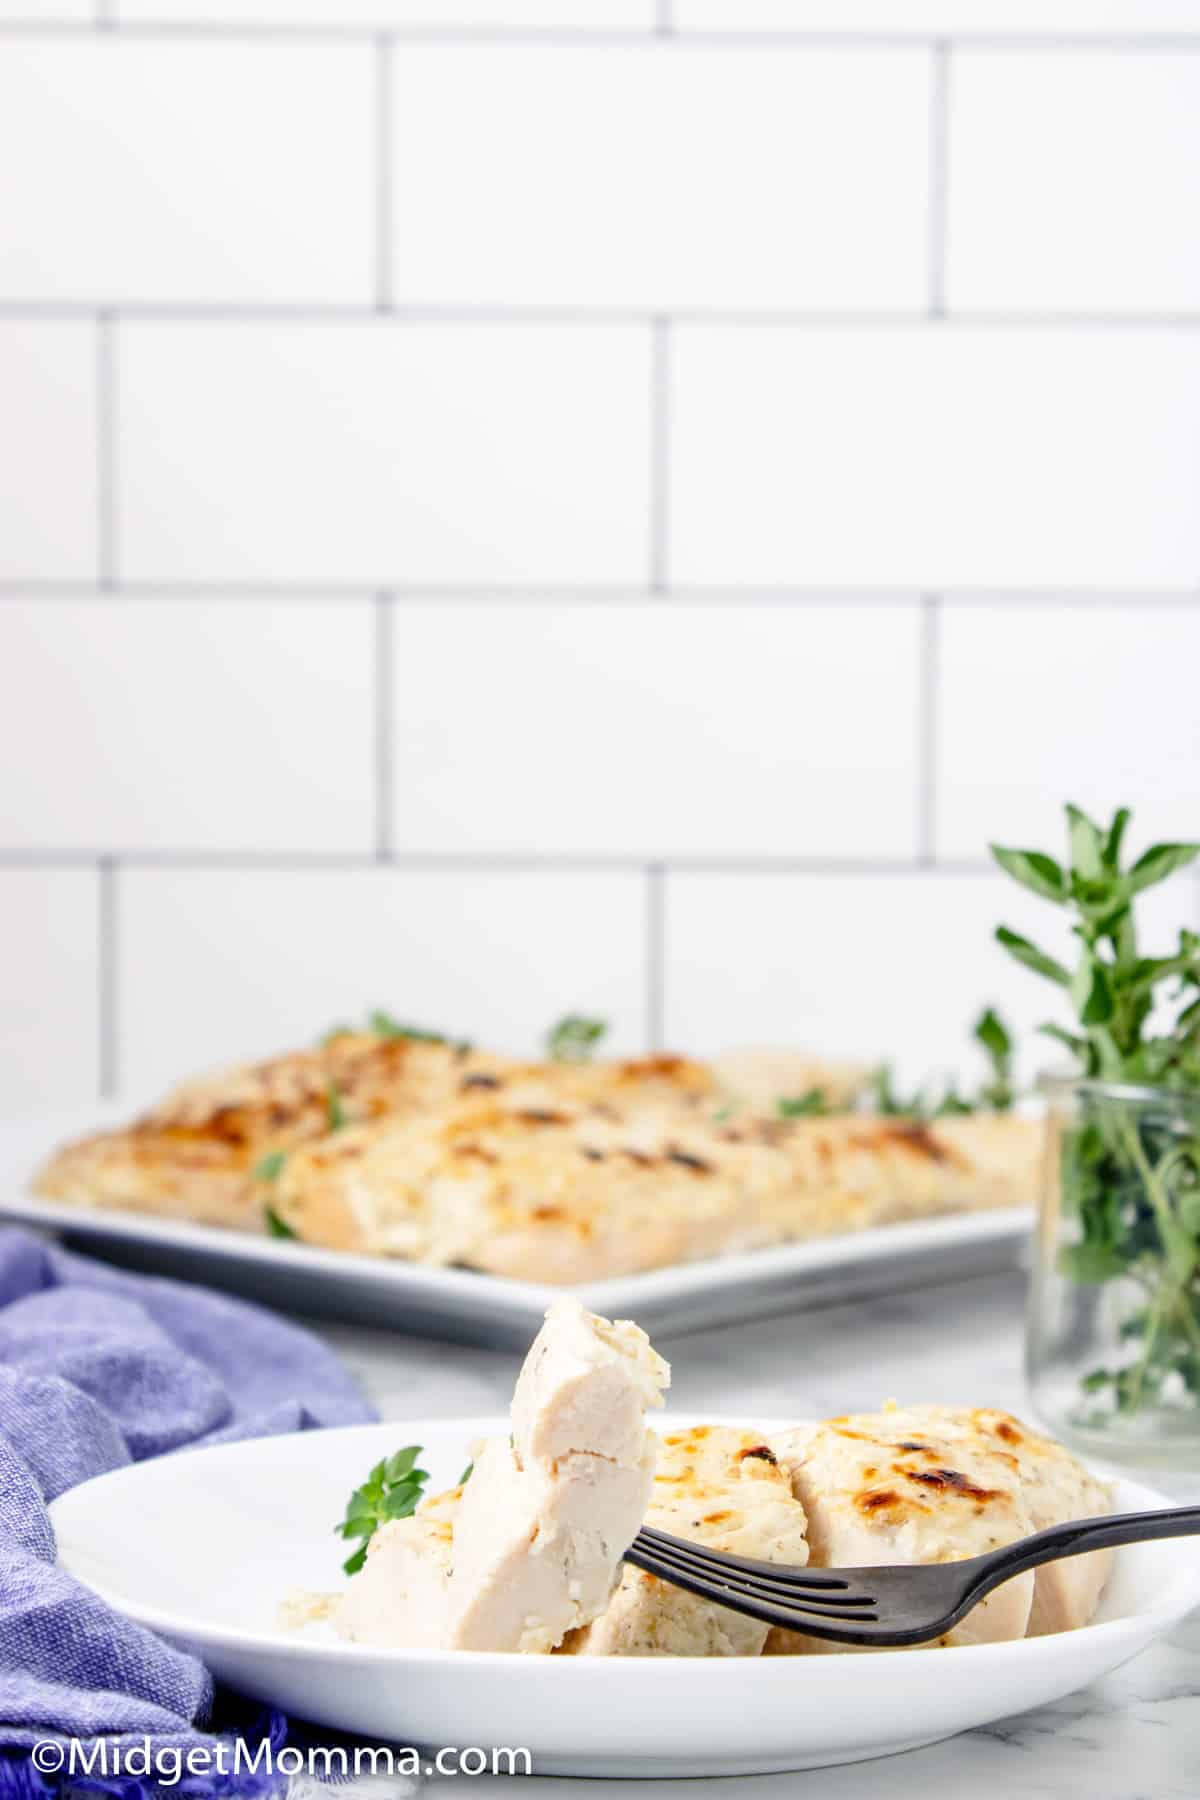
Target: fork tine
x=787, y=1584
x=662, y=1543
x=804, y=1616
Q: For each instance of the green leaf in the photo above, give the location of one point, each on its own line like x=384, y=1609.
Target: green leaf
x=574, y=1038
x=277, y=1227
x=809, y=1105
x=1040, y=873
x=398, y=1465
x=392, y=1490
x=466, y=1475
x=1112, y=844
x=1092, y=993
x=1158, y=862
x=1032, y=957
x=269, y=1167
x=335, y=1112
x=1076, y=1045
x=991, y=1031
x=1088, y=844
x=384, y=1025
x=1091, y=1263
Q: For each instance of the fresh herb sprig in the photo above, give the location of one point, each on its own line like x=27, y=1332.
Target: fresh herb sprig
x=813, y=1103
x=1130, y=1173
x=575, y=1038
x=391, y=1491
x=993, y=1095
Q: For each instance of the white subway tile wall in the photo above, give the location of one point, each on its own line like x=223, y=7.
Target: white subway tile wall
x=49, y=449
x=1078, y=218
x=658, y=731
x=517, y=505
x=279, y=958
x=713, y=189
x=50, y=1025
x=376, y=451
x=188, y=724
x=162, y=179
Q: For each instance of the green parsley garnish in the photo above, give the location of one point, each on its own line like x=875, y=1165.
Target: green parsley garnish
x=269, y=1167
x=995, y=1094
x=466, y=1474
x=335, y=1112
x=276, y=1226
x=391, y=1491
x=384, y=1025
x=810, y=1105
x=574, y=1038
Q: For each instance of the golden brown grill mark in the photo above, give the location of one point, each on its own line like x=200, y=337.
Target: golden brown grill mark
x=952, y=1481
x=686, y=1160
x=759, y=1450
x=877, y=1500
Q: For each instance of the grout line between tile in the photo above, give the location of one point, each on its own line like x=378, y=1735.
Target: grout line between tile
x=575, y=593
x=647, y=37
x=859, y=318
x=108, y=939
x=517, y=861
x=385, y=737
x=939, y=123
x=927, y=729
x=384, y=100
x=655, y=955
x=106, y=452
x=660, y=455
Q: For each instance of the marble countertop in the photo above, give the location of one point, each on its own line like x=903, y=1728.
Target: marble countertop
x=1134, y=1734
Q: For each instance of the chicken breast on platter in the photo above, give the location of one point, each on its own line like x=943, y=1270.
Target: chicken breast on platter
x=195, y=1155
x=719, y=1487
x=556, y=1191
x=940, y=1484
x=758, y=1080
x=537, y=1535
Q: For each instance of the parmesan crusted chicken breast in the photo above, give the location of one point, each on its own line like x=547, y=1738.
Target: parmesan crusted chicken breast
x=722, y=1488
x=530, y=1549
x=562, y=1191
x=939, y=1484
x=403, y=1145
x=194, y=1156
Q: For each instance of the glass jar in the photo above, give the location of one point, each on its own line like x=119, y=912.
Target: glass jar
x=1113, y=1341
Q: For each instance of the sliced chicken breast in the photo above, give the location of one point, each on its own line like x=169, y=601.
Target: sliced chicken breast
x=1055, y=1487
x=537, y=1535
x=399, y=1597
x=910, y=1485
x=718, y=1487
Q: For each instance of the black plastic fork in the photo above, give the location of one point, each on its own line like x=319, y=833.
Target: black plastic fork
x=890, y=1605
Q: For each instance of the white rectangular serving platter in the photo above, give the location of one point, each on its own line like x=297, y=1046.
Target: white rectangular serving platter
x=489, y=1309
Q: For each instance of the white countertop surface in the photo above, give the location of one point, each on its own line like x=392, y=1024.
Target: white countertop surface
x=1135, y=1734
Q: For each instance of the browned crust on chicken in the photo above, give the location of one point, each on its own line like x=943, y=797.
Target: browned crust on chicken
x=560, y=1173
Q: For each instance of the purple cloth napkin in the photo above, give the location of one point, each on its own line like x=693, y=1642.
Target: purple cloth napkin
x=98, y=1369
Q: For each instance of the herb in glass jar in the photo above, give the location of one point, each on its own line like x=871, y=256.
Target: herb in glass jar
x=1128, y=1178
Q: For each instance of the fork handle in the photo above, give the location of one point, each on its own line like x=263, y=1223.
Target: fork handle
x=1081, y=1535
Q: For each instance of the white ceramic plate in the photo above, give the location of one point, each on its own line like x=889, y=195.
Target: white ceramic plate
x=203, y=1545
x=490, y=1309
